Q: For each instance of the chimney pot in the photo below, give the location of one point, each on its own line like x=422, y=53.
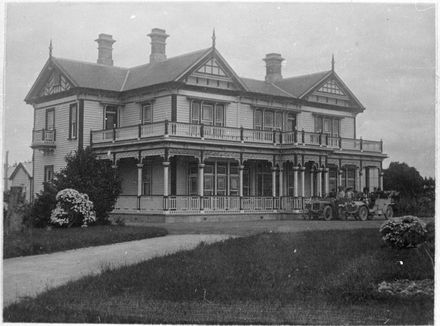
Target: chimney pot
x=158, y=45
x=273, y=67
x=105, y=49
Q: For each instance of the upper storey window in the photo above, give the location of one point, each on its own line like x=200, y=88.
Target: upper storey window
x=212, y=68
x=111, y=116
x=147, y=113
x=207, y=113
x=331, y=87
x=50, y=119
x=327, y=125
x=268, y=120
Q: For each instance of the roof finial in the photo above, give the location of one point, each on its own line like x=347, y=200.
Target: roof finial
x=333, y=62
x=50, y=49
x=213, y=38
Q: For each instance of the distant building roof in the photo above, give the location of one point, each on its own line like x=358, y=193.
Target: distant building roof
x=26, y=166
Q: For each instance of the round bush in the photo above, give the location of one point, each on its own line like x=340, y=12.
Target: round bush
x=73, y=209
x=403, y=232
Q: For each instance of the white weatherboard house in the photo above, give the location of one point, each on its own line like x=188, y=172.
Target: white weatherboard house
x=190, y=136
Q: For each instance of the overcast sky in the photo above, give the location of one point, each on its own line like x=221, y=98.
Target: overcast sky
x=385, y=53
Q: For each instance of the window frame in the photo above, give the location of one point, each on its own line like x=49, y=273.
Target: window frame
x=73, y=124
x=199, y=110
x=262, y=117
x=319, y=123
x=48, y=111
x=116, y=112
x=148, y=105
x=49, y=173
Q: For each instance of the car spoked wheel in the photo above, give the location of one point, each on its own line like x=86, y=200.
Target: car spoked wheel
x=389, y=212
x=327, y=213
x=363, y=213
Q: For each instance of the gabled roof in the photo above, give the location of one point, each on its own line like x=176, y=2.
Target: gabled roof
x=299, y=85
x=262, y=87
x=92, y=75
x=26, y=166
x=118, y=79
x=161, y=72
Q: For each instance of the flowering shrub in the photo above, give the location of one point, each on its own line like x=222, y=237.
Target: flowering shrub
x=403, y=232
x=73, y=209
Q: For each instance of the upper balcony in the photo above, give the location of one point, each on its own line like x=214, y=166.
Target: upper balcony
x=166, y=129
x=43, y=139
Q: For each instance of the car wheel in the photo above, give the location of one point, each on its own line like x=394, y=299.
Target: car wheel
x=363, y=213
x=389, y=212
x=327, y=213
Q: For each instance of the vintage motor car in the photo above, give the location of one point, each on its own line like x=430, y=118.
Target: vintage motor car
x=375, y=204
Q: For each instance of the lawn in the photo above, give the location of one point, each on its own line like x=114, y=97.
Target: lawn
x=318, y=277
x=42, y=241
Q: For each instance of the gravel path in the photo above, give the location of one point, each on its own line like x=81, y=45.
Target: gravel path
x=31, y=275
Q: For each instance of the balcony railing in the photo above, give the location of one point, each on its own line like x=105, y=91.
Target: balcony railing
x=217, y=133
x=43, y=138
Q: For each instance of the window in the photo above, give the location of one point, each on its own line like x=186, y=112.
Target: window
x=147, y=113
x=48, y=173
x=234, y=180
x=348, y=177
x=278, y=121
x=207, y=113
x=208, y=179
x=291, y=122
x=332, y=176
x=195, y=113
x=264, y=180
x=219, y=115
x=268, y=120
x=50, y=119
x=73, y=121
x=258, y=119
x=327, y=125
x=193, y=177
x=111, y=117
x=146, y=180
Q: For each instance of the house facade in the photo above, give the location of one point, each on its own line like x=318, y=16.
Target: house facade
x=189, y=136
x=21, y=177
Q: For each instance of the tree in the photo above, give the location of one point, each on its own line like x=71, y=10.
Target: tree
x=403, y=178
x=417, y=194
x=96, y=178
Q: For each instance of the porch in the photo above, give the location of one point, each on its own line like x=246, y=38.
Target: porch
x=226, y=183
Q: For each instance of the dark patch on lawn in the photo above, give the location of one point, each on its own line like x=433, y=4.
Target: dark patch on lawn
x=42, y=241
x=300, y=274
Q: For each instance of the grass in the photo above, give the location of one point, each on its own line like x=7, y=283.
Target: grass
x=42, y=241
x=321, y=277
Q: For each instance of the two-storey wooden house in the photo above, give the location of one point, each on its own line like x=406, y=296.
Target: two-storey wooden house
x=190, y=136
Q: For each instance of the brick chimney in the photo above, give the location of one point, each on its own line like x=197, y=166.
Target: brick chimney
x=273, y=67
x=158, y=45
x=105, y=49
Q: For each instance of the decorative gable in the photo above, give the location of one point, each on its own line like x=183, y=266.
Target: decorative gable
x=213, y=73
x=331, y=87
x=334, y=92
x=211, y=68
x=55, y=84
